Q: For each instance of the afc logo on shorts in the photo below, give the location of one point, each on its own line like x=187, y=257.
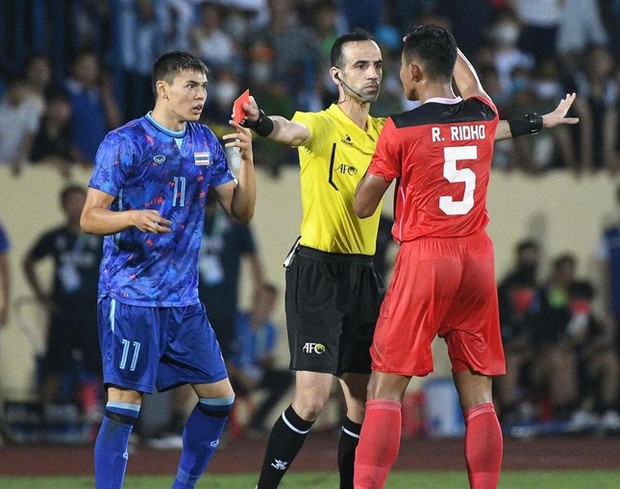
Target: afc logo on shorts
x=318, y=348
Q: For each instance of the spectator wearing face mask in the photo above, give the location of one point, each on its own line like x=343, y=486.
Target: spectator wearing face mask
x=504, y=32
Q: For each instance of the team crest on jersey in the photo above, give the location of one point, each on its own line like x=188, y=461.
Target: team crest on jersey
x=159, y=159
x=202, y=159
x=347, y=140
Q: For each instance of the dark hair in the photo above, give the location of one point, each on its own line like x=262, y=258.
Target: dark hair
x=435, y=47
x=356, y=35
x=68, y=190
x=527, y=244
x=564, y=259
x=170, y=64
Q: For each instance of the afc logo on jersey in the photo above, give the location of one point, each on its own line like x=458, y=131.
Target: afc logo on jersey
x=345, y=169
x=318, y=348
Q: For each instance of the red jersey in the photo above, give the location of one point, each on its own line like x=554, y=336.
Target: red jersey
x=441, y=154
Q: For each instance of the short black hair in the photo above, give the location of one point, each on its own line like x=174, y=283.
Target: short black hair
x=435, y=47
x=168, y=65
x=356, y=35
x=563, y=259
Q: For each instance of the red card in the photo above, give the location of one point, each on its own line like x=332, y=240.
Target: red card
x=238, y=112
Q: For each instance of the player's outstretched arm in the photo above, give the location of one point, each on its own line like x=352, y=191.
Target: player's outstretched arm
x=275, y=127
x=532, y=123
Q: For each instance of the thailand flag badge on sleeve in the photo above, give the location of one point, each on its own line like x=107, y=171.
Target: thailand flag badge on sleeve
x=202, y=159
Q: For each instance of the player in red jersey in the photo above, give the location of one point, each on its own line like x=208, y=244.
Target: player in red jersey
x=443, y=281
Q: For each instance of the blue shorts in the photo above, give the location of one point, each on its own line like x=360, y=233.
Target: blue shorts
x=147, y=347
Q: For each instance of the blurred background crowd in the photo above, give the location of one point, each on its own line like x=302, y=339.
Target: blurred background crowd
x=71, y=70
x=80, y=67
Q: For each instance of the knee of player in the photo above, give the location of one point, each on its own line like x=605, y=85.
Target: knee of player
x=309, y=407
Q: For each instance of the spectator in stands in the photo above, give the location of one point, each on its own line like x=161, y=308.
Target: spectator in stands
x=210, y=41
x=599, y=365
x=38, y=79
x=5, y=277
x=140, y=42
x=19, y=123
x=518, y=306
x=555, y=364
x=580, y=26
x=253, y=367
x=504, y=32
x=291, y=46
x=5, y=284
x=94, y=107
x=540, y=20
x=72, y=338
x=53, y=143
x=536, y=91
x=462, y=14
x=275, y=98
x=607, y=256
x=597, y=108
x=176, y=18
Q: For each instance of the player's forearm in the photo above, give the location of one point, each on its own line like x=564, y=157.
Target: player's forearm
x=244, y=196
x=104, y=221
x=503, y=131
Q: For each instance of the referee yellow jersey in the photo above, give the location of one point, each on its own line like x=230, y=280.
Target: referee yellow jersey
x=333, y=161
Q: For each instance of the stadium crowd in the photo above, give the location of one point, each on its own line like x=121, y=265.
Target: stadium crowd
x=528, y=53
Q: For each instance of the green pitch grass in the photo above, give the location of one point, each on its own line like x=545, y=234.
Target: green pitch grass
x=324, y=480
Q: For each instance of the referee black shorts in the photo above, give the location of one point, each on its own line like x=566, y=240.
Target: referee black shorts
x=332, y=304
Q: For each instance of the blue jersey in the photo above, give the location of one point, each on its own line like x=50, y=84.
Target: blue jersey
x=145, y=166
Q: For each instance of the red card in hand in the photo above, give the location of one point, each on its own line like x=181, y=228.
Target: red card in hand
x=238, y=112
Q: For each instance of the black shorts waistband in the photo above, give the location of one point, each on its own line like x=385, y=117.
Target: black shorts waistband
x=336, y=257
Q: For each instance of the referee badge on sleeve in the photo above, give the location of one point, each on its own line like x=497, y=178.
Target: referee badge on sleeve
x=202, y=159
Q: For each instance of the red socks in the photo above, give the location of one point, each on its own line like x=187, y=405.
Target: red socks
x=483, y=446
x=379, y=444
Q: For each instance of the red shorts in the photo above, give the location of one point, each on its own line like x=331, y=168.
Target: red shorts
x=444, y=287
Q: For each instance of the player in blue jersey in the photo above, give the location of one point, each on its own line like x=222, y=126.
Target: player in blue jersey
x=147, y=196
